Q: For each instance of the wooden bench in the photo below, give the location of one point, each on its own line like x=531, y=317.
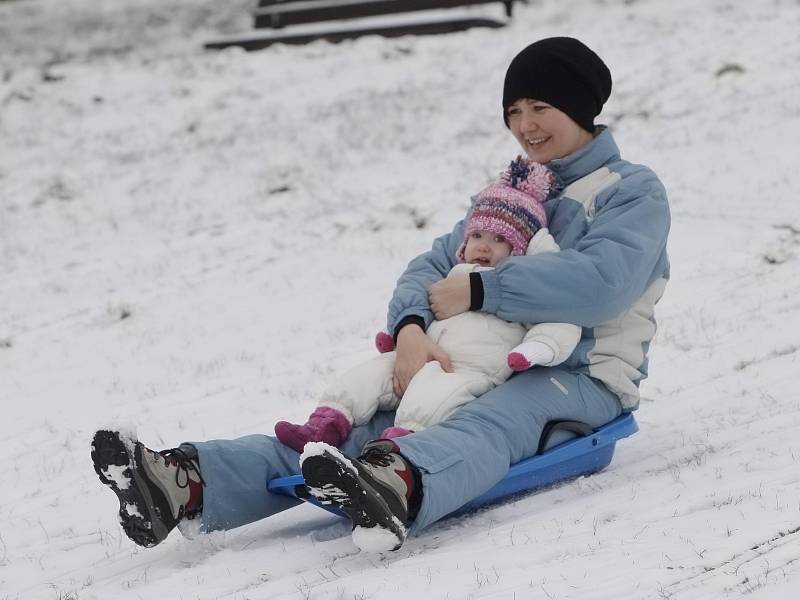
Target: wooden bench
x=279, y=13
x=303, y=21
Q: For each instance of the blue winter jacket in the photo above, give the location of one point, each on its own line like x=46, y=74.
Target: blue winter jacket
x=611, y=221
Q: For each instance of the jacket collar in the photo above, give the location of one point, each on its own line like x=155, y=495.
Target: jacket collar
x=600, y=151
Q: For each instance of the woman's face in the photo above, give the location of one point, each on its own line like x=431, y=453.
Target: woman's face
x=543, y=131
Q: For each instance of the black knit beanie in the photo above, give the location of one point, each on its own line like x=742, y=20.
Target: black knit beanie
x=563, y=72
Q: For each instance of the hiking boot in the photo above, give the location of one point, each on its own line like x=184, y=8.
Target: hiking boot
x=155, y=489
x=380, y=491
x=325, y=424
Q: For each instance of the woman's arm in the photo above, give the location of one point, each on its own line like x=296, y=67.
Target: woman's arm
x=607, y=270
x=410, y=312
x=410, y=298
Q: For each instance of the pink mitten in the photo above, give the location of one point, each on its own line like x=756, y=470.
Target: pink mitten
x=530, y=353
x=518, y=362
x=384, y=342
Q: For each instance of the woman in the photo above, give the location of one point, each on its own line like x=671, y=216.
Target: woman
x=610, y=219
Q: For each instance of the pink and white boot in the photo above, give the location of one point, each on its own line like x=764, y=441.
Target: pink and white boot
x=325, y=424
x=394, y=432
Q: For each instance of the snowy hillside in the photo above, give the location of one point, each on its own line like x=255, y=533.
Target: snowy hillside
x=191, y=242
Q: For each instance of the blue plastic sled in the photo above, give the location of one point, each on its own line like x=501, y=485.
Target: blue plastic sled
x=583, y=455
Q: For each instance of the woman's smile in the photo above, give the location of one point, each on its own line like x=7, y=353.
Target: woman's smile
x=538, y=140
x=534, y=145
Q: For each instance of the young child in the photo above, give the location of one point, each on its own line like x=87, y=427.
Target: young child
x=507, y=219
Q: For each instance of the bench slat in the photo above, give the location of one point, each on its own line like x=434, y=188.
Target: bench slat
x=257, y=42
x=279, y=13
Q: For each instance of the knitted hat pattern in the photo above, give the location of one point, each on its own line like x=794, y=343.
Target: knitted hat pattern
x=512, y=206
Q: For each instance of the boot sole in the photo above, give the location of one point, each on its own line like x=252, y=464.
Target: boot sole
x=330, y=479
x=116, y=465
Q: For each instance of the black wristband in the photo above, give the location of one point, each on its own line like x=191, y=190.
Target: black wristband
x=475, y=291
x=409, y=320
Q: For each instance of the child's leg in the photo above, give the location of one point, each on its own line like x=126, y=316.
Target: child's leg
x=433, y=395
x=351, y=400
x=363, y=389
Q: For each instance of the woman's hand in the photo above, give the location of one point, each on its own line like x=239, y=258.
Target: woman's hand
x=450, y=296
x=413, y=350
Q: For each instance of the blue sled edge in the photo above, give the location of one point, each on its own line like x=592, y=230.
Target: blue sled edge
x=571, y=459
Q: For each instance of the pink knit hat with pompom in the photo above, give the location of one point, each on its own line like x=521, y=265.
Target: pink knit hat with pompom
x=512, y=207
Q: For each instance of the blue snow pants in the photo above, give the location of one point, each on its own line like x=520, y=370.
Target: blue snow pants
x=458, y=459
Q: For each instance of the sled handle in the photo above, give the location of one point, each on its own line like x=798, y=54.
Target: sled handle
x=576, y=427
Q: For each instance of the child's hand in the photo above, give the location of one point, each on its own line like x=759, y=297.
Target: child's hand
x=450, y=296
x=414, y=349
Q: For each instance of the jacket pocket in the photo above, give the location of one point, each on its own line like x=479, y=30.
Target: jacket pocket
x=440, y=465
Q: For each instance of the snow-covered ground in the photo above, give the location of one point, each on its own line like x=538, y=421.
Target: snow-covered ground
x=191, y=242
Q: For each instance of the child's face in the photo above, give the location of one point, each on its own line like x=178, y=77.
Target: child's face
x=486, y=248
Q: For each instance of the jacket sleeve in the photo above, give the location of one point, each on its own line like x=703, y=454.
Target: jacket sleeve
x=560, y=338
x=609, y=268
x=410, y=296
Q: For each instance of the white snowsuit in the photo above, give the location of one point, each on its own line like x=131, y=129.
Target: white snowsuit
x=478, y=344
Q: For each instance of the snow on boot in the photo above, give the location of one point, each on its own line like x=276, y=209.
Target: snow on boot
x=394, y=432
x=379, y=490
x=155, y=489
x=324, y=425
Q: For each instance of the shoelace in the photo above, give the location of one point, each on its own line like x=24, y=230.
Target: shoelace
x=377, y=457
x=383, y=456
x=184, y=463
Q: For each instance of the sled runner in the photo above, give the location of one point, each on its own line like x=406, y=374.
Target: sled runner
x=588, y=453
